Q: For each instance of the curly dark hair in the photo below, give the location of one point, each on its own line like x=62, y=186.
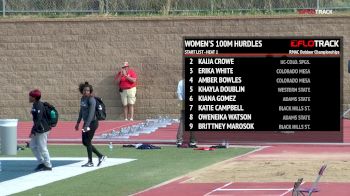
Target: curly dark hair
x=83, y=85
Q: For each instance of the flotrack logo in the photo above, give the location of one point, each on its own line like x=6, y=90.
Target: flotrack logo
x=315, y=11
x=312, y=43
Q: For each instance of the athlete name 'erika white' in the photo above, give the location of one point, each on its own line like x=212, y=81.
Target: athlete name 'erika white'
x=217, y=70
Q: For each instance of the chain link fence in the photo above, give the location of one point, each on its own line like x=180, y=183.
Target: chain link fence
x=164, y=7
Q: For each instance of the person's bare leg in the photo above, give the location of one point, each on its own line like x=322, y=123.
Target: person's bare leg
x=131, y=111
x=125, y=108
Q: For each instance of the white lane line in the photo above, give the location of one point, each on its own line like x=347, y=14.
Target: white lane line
x=58, y=173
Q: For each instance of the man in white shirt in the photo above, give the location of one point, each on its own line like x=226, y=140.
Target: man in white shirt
x=180, y=131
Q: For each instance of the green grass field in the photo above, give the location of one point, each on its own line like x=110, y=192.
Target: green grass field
x=152, y=167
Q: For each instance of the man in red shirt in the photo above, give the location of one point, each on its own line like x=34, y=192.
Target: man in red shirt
x=126, y=79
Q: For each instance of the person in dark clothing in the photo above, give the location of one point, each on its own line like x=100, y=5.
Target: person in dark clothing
x=87, y=113
x=179, y=136
x=39, y=133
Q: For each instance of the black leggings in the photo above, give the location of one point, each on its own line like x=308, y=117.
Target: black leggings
x=87, y=137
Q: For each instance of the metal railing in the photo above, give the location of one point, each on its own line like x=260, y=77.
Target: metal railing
x=164, y=7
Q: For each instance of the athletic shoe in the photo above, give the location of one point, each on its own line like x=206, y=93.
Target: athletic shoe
x=101, y=159
x=45, y=168
x=39, y=167
x=88, y=164
x=131, y=119
x=193, y=146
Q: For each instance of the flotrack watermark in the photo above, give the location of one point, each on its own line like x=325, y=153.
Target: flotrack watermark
x=315, y=11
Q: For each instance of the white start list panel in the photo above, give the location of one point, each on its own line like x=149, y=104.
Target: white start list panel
x=263, y=84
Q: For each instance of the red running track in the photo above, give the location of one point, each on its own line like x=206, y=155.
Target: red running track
x=346, y=130
x=180, y=187
x=64, y=132
x=166, y=134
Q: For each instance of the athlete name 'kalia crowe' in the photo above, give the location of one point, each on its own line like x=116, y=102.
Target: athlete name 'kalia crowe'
x=217, y=61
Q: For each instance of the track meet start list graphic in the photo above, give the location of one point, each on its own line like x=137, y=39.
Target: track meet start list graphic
x=263, y=84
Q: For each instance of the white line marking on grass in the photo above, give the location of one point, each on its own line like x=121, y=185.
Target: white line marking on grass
x=218, y=188
x=58, y=173
x=267, y=189
x=259, y=148
x=286, y=192
x=186, y=175
x=185, y=181
x=289, y=190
